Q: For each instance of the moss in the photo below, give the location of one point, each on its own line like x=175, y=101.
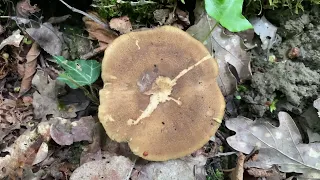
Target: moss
x=139, y=13
x=257, y=6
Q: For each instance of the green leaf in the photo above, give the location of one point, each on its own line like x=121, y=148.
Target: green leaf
x=183, y=1
x=79, y=72
x=228, y=13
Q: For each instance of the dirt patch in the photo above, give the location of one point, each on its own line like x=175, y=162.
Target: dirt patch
x=293, y=80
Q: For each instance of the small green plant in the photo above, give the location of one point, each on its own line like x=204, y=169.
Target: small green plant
x=228, y=13
x=79, y=73
x=272, y=106
x=242, y=88
x=215, y=175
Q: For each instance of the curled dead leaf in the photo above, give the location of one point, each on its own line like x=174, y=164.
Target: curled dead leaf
x=97, y=31
x=29, y=68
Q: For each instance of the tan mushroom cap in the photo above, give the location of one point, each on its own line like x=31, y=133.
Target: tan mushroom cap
x=160, y=93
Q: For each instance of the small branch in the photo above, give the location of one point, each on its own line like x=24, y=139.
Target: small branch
x=94, y=52
x=85, y=14
x=139, y=3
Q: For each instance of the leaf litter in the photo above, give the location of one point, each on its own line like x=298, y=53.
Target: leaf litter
x=281, y=146
x=227, y=49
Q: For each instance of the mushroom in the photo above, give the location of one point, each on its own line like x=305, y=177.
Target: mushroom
x=160, y=93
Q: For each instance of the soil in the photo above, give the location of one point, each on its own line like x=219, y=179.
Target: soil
x=293, y=81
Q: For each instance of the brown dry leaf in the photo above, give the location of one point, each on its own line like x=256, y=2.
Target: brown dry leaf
x=121, y=24
x=24, y=8
x=97, y=31
x=65, y=132
x=14, y=39
x=29, y=68
x=23, y=152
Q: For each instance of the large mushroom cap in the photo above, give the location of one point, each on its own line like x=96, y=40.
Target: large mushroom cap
x=160, y=93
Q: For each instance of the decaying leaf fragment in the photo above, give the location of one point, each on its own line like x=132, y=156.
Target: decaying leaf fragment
x=65, y=132
x=48, y=38
x=14, y=39
x=228, y=49
x=281, y=146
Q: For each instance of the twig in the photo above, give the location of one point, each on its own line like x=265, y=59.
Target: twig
x=94, y=52
x=139, y=3
x=85, y=14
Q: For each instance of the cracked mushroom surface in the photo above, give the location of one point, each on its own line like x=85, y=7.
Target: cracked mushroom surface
x=160, y=93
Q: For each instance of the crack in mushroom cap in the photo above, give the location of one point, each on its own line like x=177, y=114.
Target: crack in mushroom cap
x=169, y=76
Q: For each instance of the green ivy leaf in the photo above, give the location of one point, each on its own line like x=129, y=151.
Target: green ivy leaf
x=79, y=72
x=228, y=13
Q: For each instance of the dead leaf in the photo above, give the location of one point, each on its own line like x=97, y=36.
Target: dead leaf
x=48, y=38
x=265, y=173
x=160, y=15
x=281, y=146
x=97, y=31
x=65, y=132
x=183, y=168
x=12, y=116
x=29, y=68
x=45, y=100
x=316, y=104
x=228, y=49
x=24, y=8
x=22, y=153
x=265, y=30
x=121, y=24
x=41, y=154
x=13, y=40
x=60, y=19
x=115, y=168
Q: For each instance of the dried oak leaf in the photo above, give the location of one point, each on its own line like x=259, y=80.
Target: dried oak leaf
x=29, y=68
x=228, y=49
x=25, y=9
x=113, y=167
x=48, y=38
x=65, y=132
x=121, y=24
x=24, y=150
x=97, y=31
x=45, y=100
x=14, y=39
x=280, y=146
